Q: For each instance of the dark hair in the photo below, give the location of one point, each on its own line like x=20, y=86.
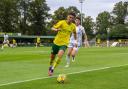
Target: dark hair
x=78, y=18
x=72, y=13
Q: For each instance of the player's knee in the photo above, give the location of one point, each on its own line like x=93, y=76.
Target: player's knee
x=52, y=56
x=73, y=55
x=68, y=54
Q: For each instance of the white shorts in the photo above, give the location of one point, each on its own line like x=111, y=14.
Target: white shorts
x=6, y=42
x=72, y=45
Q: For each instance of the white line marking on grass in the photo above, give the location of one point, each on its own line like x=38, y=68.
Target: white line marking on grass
x=66, y=74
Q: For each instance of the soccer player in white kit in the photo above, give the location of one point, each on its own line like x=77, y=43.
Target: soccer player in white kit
x=6, y=41
x=72, y=49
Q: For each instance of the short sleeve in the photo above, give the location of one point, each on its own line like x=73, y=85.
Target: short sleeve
x=74, y=28
x=58, y=25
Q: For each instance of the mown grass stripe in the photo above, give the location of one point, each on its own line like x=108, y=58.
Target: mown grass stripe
x=66, y=74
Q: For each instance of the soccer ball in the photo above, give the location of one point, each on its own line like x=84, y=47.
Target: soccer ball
x=61, y=78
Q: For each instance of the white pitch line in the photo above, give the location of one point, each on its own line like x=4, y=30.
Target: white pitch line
x=66, y=74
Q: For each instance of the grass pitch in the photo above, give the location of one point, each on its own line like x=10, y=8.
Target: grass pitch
x=94, y=68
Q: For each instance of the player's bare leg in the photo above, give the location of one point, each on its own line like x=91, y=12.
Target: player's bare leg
x=52, y=58
x=56, y=62
x=68, y=57
x=74, y=51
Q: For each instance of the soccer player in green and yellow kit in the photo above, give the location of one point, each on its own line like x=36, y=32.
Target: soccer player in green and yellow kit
x=64, y=29
x=37, y=41
x=14, y=44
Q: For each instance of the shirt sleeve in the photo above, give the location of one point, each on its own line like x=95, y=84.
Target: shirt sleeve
x=58, y=25
x=74, y=28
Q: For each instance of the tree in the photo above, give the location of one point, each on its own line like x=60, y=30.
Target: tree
x=120, y=10
x=119, y=31
x=8, y=16
x=88, y=25
x=61, y=13
x=38, y=14
x=73, y=9
x=33, y=16
x=23, y=6
x=103, y=22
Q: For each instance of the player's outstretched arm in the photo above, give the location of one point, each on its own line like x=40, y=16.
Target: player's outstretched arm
x=86, y=40
x=75, y=36
x=54, y=29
